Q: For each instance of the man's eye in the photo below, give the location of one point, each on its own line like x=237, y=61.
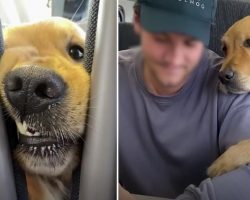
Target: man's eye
x=247, y=43
x=160, y=39
x=76, y=52
x=190, y=43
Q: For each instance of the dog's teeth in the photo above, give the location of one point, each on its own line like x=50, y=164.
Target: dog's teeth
x=28, y=133
x=55, y=152
x=25, y=125
x=22, y=128
x=42, y=150
x=36, y=134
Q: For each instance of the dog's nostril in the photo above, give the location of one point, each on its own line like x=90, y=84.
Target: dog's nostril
x=229, y=74
x=14, y=83
x=40, y=91
x=50, y=89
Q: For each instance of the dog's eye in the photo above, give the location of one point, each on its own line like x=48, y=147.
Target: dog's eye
x=76, y=52
x=247, y=43
x=224, y=49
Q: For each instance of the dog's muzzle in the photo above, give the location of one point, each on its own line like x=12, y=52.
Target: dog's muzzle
x=230, y=82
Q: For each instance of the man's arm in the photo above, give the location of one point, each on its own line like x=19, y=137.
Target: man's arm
x=230, y=186
x=234, y=127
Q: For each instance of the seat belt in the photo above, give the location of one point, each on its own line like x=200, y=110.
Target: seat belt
x=91, y=35
x=88, y=61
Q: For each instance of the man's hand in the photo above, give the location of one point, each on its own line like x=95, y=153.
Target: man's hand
x=233, y=158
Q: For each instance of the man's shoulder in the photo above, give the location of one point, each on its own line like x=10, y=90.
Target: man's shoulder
x=209, y=68
x=128, y=57
x=213, y=60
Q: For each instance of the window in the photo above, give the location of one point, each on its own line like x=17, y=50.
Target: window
x=14, y=12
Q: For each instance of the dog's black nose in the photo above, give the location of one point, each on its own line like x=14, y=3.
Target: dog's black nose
x=33, y=89
x=227, y=76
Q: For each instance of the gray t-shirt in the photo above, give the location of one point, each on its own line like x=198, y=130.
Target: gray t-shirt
x=167, y=143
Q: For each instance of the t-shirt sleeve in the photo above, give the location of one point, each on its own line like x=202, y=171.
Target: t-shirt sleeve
x=233, y=127
x=233, y=120
x=233, y=113
x=230, y=186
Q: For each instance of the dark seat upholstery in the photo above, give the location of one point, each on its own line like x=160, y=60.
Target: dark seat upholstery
x=228, y=12
x=127, y=36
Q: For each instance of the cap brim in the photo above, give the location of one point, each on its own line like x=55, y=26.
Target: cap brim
x=161, y=21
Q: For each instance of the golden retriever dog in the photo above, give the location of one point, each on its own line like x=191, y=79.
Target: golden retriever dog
x=235, y=78
x=45, y=90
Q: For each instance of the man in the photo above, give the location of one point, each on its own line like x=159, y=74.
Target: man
x=173, y=120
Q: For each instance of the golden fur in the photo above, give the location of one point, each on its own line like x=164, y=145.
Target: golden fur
x=45, y=44
x=237, y=58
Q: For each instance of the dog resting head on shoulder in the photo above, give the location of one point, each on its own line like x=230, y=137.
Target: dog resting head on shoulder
x=235, y=71
x=45, y=89
x=235, y=78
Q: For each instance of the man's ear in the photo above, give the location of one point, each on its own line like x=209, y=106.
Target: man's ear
x=137, y=24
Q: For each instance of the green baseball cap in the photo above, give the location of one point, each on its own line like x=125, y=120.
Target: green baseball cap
x=190, y=17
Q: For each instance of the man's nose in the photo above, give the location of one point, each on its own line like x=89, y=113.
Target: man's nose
x=175, y=57
x=33, y=89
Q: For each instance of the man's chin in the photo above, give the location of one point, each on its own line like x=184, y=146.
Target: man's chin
x=172, y=83
x=170, y=80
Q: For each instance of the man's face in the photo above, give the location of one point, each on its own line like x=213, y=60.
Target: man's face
x=169, y=58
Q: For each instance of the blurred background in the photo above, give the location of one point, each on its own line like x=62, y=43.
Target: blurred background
x=14, y=12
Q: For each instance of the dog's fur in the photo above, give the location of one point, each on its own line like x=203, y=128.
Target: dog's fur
x=237, y=58
x=45, y=44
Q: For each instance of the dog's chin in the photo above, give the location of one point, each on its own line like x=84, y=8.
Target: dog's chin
x=43, y=154
x=232, y=90
x=51, y=164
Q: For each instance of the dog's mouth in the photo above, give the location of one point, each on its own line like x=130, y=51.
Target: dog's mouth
x=43, y=149
x=30, y=140
x=233, y=89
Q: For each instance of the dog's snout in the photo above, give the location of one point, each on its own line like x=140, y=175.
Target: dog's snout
x=227, y=76
x=33, y=89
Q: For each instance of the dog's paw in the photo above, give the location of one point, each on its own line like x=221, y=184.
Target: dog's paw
x=221, y=166
x=233, y=158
